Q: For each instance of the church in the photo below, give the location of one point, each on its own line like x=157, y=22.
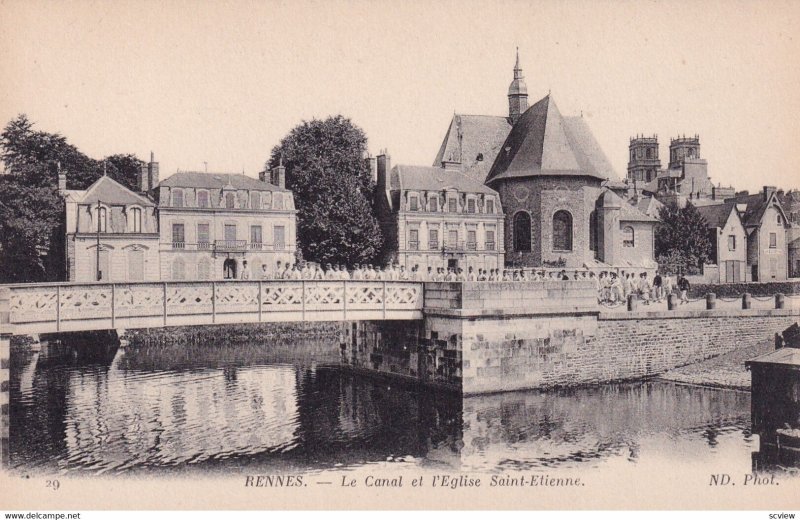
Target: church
x=553, y=182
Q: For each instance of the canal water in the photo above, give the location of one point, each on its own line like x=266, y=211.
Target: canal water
x=283, y=407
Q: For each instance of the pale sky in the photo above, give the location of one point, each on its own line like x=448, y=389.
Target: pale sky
x=222, y=82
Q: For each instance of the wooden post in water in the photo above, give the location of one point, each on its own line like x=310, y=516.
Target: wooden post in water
x=747, y=301
x=780, y=302
x=711, y=301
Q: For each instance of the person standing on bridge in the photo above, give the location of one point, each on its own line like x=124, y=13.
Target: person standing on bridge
x=245, y=274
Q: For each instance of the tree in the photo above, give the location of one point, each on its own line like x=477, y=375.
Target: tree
x=31, y=209
x=332, y=188
x=125, y=169
x=682, y=239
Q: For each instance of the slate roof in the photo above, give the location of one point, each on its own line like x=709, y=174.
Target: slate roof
x=628, y=212
x=107, y=190
x=428, y=178
x=217, y=181
x=469, y=136
x=649, y=206
x=543, y=142
x=717, y=215
x=756, y=207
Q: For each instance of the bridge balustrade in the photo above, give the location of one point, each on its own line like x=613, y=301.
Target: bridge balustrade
x=37, y=308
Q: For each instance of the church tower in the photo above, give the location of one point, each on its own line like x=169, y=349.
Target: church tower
x=517, y=94
x=643, y=164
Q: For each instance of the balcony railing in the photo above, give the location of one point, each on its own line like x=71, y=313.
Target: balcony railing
x=178, y=245
x=256, y=246
x=433, y=244
x=472, y=246
x=230, y=246
x=413, y=245
x=204, y=246
x=490, y=246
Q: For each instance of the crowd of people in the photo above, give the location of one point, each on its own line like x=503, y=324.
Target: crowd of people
x=612, y=286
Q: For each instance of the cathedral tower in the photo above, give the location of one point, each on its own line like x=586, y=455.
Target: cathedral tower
x=643, y=163
x=517, y=94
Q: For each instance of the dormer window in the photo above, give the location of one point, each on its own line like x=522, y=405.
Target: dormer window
x=489, y=205
x=255, y=200
x=101, y=219
x=136, y=220
x=471, y=206
x=433, y=204
x=202, y=199
x=413, y=203
x=230, y=200
x=452, y=205
x=177, y=198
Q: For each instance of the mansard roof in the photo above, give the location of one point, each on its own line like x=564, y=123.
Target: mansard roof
x=428, y=178
x=543, y=142
x=108, y=191
x=474, y=142
x=236, y=181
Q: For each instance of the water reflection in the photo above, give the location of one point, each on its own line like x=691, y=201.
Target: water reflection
x=280, y=407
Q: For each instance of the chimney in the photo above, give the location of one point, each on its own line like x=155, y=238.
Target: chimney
x=372, y=166
x=62, y=182
x=768, y=191
x=152, y=171
x=144, y=177
x=279, y=174
x=384, y=165
x=262, y=176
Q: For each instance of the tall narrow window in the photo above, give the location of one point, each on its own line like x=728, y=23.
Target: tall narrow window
x=203, y=269
x=489, y=205
x=490, y=246
x=202, y=199
x=177, y=198
x=255, y=237
x=562, y=231
x=255, y=200
x=178, y=236
x=731, y=242
x=593, y=231
x=472, y=240
x=471, y=206
x=136, y=220
x=230, y=232
x=230, y=200
x=627, y=237
x=413, y=239
x=452, y=205
x=279, y=234
x=773, y=240
x=452, y=238
x=413, y=203
x=433, y=204
x=178, y=269
x=522, y=232
x=101, y=217
x=203, y=236
x=433, y=239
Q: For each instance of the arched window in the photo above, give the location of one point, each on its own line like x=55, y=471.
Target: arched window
x=562, y=231
x=627, y=237
x=649, y=153
x=177, y=198
x=203, y=269
x=229, y=269
x=522, y=231
x=178, y=269
x=136, y=220
x=230, y=200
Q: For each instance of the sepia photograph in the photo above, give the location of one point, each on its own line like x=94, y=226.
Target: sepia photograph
x=382, y=255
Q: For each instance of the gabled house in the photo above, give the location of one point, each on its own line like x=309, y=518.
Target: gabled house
x=765, y=223
x=111, y=233
x=728, y=242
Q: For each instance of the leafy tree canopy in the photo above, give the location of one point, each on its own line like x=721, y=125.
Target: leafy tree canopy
x=682, y=241
x=333, y=189
x=31, y=209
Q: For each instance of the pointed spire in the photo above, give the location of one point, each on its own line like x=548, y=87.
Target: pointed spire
x=517, y=69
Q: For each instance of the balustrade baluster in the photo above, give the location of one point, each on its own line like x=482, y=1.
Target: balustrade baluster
x=384, y=300
x=113, y=302
x=164, y=297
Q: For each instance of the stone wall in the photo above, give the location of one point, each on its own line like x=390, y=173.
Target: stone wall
x=538, y=352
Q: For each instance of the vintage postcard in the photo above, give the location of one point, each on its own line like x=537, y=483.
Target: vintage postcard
x=399, y=255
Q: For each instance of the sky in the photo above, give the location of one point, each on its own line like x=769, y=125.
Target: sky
x=221, y=82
